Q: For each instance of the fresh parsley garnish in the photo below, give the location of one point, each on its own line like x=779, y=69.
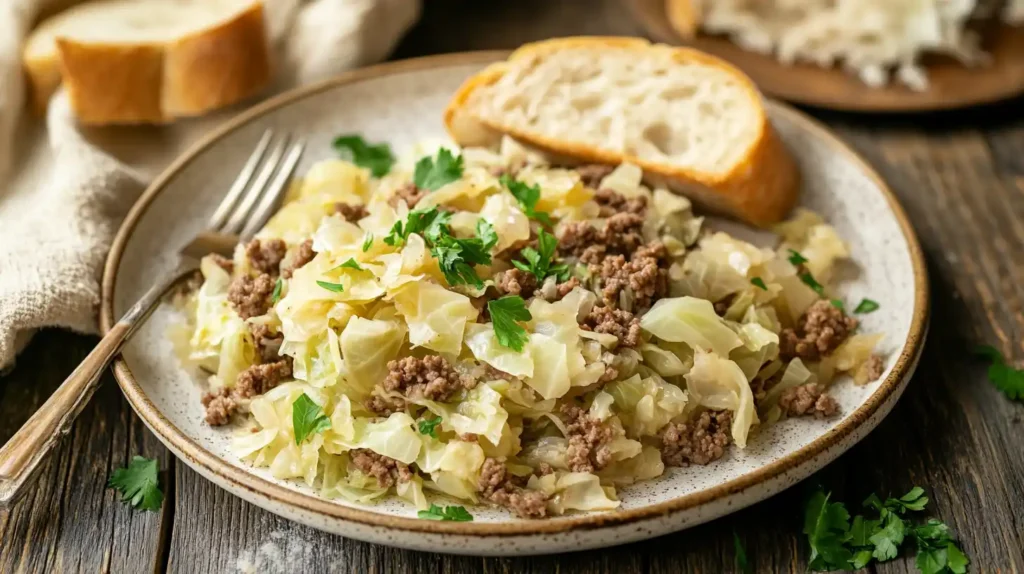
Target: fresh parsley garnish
x=866, y=306
x=505, y=314
x=429, y=426
x=433, y=174
x=742, y=565
x=308, y=418
x=335, y=287
x=276, y=295
x=367, y=242
x=375, y=157
x=448, y=513
x=539, y=263
x=1006, y=378
x=139, y=484
x=456, y=256
x=837, y=543
x=796, y=258
x=527, y=196
x=758, y=282
x=350, y=264
x=418, y=221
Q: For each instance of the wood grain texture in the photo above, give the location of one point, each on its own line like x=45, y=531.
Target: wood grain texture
x=960, y=177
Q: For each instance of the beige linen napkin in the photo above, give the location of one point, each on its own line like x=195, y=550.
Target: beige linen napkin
x=64, y=190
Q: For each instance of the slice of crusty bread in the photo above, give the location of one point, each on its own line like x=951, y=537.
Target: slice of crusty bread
x=684, y=16
x=692, y=122
x=149, y=61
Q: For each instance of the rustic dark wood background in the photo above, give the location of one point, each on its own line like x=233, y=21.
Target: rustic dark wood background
x=960, y=176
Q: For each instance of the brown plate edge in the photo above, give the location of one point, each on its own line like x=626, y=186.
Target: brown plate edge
x=216, y=466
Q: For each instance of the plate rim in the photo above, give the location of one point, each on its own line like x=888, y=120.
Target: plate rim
x=168, y=433
x=912, y=102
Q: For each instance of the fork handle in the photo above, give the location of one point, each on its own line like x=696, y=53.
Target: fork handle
x=24, y=453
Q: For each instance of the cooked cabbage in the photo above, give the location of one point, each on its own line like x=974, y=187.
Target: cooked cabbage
x=366, y=347
x=436, y=316
x=692, y=321
x=720, y=384
x=574, y=491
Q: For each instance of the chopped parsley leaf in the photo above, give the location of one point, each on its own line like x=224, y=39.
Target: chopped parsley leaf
x=1006, y=378
x=838, y=304
x=539, y=263
x=433, y=174
x=276, y=295
x=375, y=157
x=367, y=242
x=139, y=484
x=866, y=306
x=796, y=258
x=506, y=312
x=421, y=221
x=429, y=426
x=335, y=287
x=350, y=264
x=527, y=196
x=757, y=281
x=448, y=513
x=308, y=418
x=455, y=256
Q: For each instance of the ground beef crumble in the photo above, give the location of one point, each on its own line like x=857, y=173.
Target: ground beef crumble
x=223, y=262
x=873, y=368
x=821, y=329
x=351, y=212
x=808, y=399
x=610, y=203
x=302, y=255
x=699, y=441
x=265, y=255
x=386, y=470
x=643, y=276
x=408, y=193
x=220, y=406
x=516, y=282
x=592, y=174
x=267, y=344
x=383, y=405
x=498, y=486
x=589, y=440
x=250, y=296
x=258, y=379
x=623, y=324
x=431, y=377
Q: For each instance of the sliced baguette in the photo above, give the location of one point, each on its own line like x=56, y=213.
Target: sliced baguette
x=149, y=61
x=693, y=123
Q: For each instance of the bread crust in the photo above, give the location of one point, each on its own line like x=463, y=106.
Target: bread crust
x=761, y=188
x=156, y=82
x=684, y=16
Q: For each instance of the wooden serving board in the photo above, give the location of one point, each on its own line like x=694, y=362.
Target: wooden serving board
x=952, y=85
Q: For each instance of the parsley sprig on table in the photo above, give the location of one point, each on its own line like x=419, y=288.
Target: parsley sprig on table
x=1006, y=378
x=837, y=543
x=308, y=418
x=527, y=196
x=435, y=173
x=456, y=256
x=506, y=313
x=139, y=484
x=540, y=263
x=375, y=157
x=448, y=513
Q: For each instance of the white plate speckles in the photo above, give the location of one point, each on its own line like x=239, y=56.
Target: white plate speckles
x=402, y=103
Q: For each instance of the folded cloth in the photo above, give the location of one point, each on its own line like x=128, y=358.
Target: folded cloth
x=65, y=190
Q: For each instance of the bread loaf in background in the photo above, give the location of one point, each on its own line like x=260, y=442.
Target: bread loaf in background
x=692, y=122
x=149, y=61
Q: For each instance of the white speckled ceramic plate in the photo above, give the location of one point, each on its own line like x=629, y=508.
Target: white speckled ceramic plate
x=402, y=103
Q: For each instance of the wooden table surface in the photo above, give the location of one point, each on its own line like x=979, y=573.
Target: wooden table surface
x=960, y=176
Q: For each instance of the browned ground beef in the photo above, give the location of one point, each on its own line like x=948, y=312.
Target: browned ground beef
x=821, y=329
x=268, y=344
x=563, y=288
x=220, y=406
x=302, y=255
x=516, y=282
x=699, y=441
x=808, y=399
x=351, y=212
x=265, y=255
x=874, y=368
x=431, y=377
x=643, y=276
x=408, y=193
x=258, y=379
x=621, y=235
x=497, y=486
x=385, y=469
x=623, y=324
x=224, y=263
x=610, y=203
x=384, y=406
x=589, y=440
x=592, y=174
x=250, y=296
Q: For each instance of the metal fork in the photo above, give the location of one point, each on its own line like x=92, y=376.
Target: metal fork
x=246, y=208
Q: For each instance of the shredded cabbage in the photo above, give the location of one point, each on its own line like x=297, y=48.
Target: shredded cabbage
x=720, y=384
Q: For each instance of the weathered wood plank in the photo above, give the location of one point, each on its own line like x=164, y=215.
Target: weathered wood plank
x=71, y=522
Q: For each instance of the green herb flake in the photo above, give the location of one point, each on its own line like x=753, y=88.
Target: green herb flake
x=308, y=418
x=448, y=513
x=796, y=258
x=375, y=157
x=838, y=304
x=139, y=484
x=527, y=196
x=539, y=263
x=367, y=242
x=433, y=174
x=429, y=426
x=758, y=282
x=335, y=287
x=506, y=312
x=866, y=306
x=742, y=565
x=811, y=282
x=276, y=295
x=1005, y=378
x=351, y=264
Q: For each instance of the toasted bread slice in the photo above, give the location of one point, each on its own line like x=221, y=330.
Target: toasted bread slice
x=149, y=61
x=692, y=122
